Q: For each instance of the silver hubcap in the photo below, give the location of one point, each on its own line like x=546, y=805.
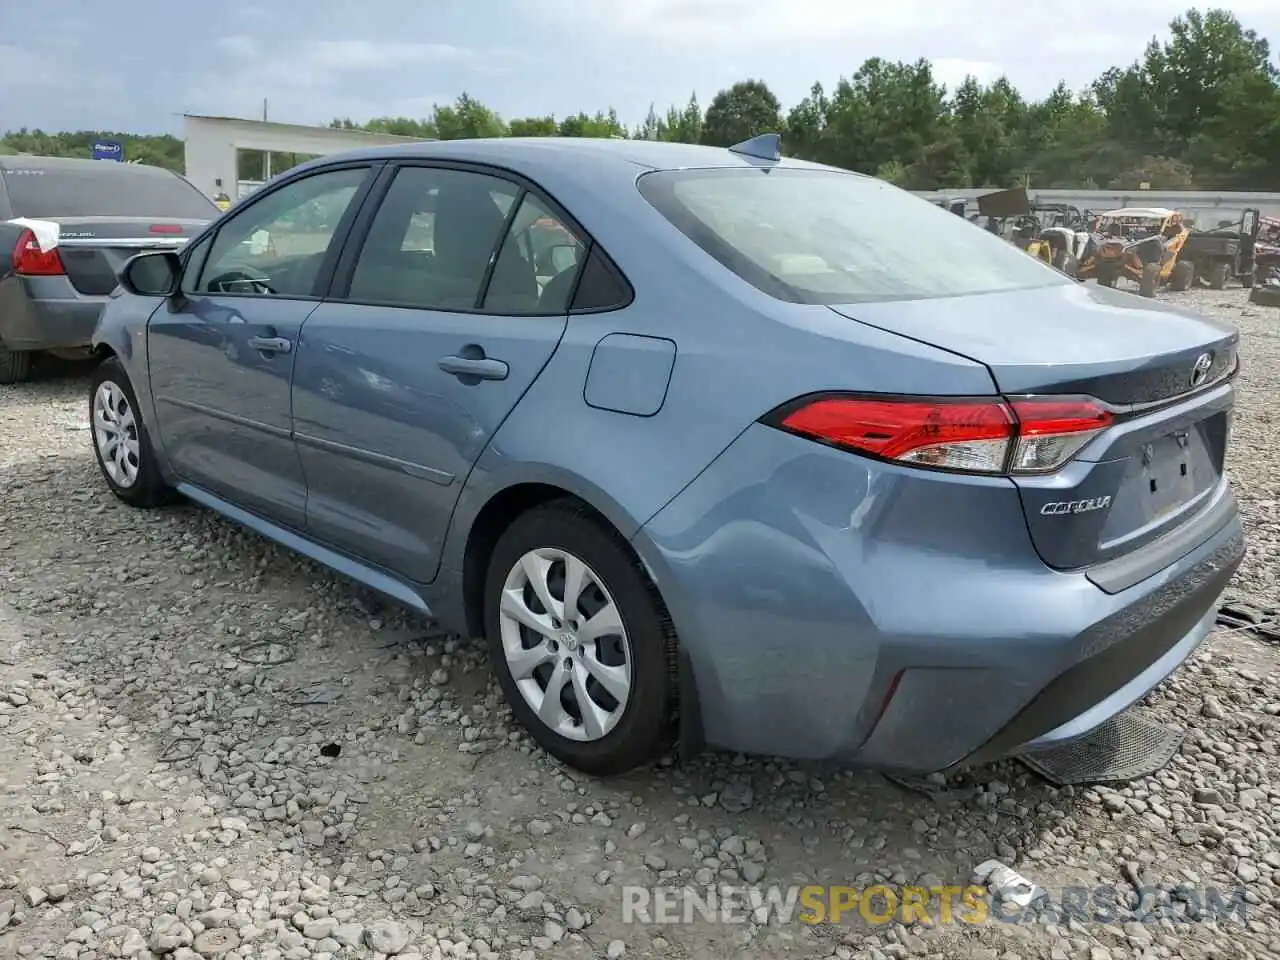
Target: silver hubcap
x=565, y=644
x=115, y=431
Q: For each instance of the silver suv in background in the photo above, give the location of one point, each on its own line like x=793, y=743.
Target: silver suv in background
x=66, y=228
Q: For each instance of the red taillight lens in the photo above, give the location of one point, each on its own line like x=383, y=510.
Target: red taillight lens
x=971, y=436
x=30, y=261
x=165, y=228
x=1051, y=432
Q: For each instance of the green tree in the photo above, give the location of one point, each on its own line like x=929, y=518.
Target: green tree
x=603, y=124
x=467, y=119
x=533, y=127
x=683, y=125
x=403, y=127
x=885, y=112
x=746, y=109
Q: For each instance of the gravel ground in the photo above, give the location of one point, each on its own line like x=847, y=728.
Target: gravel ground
x=209, y=747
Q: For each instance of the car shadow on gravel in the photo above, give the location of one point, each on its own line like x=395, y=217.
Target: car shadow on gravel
x=355, y=732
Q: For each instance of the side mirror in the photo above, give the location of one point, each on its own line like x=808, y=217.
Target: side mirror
x=152, y=274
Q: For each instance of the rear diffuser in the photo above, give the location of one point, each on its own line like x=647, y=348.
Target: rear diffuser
x=1126, y=747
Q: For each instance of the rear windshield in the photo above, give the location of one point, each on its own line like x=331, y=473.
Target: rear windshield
x=89, y=192
x=817, y=236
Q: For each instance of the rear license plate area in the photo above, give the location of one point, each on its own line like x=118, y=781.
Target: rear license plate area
x=1170, y=471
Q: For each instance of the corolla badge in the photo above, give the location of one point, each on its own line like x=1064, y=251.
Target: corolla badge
x=1200, y=372
x=1063, y=507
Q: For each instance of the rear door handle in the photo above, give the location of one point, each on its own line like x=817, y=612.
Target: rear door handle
x=482, y=368
x=271, y=344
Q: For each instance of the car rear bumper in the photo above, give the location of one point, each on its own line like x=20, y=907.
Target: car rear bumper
x=46, y=313
x=833, y=607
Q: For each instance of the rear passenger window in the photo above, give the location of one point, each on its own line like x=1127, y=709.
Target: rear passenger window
x=432, y=239
x=538, y=264
x=601, y=286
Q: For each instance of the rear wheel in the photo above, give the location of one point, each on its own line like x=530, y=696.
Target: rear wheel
x=1219, y=273
x=1246, y=280
x=580, y=641
x=15, y=365
x=1184, y=274
x=1070, y=266
x=120, y=441
x=1150, y=279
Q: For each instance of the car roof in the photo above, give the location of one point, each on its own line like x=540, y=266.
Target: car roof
x=32, y=162
x=586, y=151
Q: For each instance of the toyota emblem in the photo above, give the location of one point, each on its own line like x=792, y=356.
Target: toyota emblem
x=1200, y=372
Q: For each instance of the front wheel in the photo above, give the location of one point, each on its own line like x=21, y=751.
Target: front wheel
x=580, y=641
x=120, y=441
x=15, y=366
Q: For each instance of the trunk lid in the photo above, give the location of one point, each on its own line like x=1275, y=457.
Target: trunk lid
x=1159, y=465
x=93, y=249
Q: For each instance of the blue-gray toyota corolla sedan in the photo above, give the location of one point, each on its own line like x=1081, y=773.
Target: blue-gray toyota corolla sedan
x=706, y=443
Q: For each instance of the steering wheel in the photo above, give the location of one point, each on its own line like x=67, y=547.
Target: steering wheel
x=231, y=277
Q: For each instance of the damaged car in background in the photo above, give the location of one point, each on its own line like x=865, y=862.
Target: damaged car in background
x=66, y=227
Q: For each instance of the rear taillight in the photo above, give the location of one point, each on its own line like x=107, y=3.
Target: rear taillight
x=986, y=435
x=30, y=261
x=165, y=228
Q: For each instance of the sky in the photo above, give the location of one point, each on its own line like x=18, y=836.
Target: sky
x=138, y=66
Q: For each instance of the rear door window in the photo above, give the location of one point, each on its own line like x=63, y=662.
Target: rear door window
x=819, y=236
x=538, y=245
x=102, y=189
x=432, y=241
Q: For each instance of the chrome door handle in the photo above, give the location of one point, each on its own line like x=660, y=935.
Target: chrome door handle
x=271, y=344
x=481, y=368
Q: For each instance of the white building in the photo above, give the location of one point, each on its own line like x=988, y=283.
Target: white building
x=212, y=144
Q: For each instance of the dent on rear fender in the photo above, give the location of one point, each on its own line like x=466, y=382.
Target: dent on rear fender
x=801, y=578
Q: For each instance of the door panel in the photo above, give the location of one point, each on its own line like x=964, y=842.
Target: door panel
x=387, y=437
x=394, y=403
x=224, y=406
x=221, y=355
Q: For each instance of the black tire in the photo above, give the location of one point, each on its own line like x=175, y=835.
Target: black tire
x=1219, y=274
x=1246, y=280
x=647, y=725
x=1150, y=279
x=15, y=366
x=1070, y=266
x=1184, y=275
x=148, y=488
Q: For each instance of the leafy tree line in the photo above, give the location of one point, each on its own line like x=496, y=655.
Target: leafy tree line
x=1199, y=109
